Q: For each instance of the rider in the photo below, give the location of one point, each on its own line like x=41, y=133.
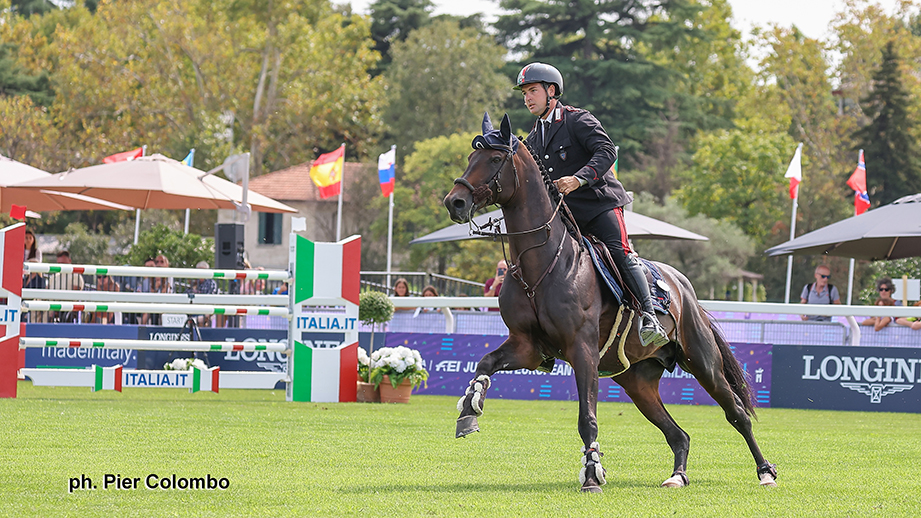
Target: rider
x=578, y=154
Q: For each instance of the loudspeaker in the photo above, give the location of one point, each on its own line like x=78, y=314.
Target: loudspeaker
x=228, y=246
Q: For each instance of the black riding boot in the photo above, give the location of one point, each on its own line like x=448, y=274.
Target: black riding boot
x=651, y=331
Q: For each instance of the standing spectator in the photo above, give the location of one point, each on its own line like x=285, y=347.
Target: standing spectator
x=884, y=285
x=820, y=292
x=205, y=287
x=429, y=291
x=146, y=285
x=31, y=250
x=401, y=288
x=104, y=283
x=494, y=284
x=162, y=284
x=65, y=281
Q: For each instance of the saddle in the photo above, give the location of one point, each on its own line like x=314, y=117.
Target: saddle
x=604, y=265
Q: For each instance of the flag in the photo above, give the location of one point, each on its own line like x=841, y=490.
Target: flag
x=858, y=182
x=205, y=379
x=325, y=375
x=386, y=170
x=108, y=378
x=795, y=172
x=326, y=172
x=123, y=156
x=190, y=158
x=17, y=212
x=327, y=270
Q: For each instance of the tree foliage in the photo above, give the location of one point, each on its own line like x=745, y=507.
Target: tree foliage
x=392, y=21
x=182, y=250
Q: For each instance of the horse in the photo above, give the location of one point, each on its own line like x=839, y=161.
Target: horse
x=559, y=309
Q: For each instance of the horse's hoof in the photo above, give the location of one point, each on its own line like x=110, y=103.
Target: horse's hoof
x=767, y=480
x=466, y=426
x=673, y=481
x=591, y=489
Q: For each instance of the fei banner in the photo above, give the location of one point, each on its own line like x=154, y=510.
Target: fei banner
x=451, y=361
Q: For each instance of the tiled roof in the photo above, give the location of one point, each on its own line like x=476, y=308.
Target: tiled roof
x=294, y=183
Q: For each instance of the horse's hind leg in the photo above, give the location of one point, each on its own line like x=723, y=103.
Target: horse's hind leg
x=641, y=383
x=514, y=353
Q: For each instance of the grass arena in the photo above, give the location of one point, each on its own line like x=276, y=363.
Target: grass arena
x=70, y=451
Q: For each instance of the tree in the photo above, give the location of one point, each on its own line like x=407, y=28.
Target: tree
x=392, y=21
x=182, y=250
x=891, y=152
x=442, y=79
x=29, y=7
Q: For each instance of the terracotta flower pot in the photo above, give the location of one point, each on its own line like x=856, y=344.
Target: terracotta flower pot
x=367, y=393
x=395, y=395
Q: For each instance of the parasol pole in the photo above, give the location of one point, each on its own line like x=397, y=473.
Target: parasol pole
x=137, y=212
x=341, y=188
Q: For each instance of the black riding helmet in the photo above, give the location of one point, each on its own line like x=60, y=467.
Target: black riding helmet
x=543, y=74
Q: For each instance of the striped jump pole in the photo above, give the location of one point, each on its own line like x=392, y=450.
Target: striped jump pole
x=325, y=274
x=151, y=345
x=129, y=307
x=141, y=271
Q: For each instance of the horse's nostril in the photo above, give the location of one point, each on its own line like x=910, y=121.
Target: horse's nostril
x=459, y=204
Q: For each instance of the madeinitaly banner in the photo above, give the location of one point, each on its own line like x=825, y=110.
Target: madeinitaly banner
x=324, y=301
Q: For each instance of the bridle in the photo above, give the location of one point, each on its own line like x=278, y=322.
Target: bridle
x=485, y=191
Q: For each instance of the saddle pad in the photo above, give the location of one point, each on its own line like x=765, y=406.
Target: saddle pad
x=660, y=297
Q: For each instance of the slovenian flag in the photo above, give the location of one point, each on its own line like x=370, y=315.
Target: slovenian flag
x=326, y=172
x=795, y=172
x=108, y=378
x=123, y=156
x=328, y=270
x=325, y=375
x=858, y=182
x=205, y=379
x=386, y=170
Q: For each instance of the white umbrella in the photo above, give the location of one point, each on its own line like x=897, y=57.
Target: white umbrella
x=13, y=172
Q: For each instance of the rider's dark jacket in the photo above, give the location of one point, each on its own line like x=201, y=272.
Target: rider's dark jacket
x=577, y=145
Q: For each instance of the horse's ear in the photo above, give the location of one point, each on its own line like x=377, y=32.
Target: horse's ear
x=505, y=129
x=487, y=124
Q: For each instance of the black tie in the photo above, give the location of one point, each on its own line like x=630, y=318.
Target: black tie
x=544, y=129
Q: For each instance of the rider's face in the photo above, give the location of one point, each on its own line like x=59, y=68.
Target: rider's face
x=535, y=98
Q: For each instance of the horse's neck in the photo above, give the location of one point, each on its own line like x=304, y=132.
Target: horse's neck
x=530, y=210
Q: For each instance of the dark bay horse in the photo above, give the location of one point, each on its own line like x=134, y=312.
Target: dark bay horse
x=557, y=307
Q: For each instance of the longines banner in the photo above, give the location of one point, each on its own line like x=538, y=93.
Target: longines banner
x=883, y=379
x=451, y=361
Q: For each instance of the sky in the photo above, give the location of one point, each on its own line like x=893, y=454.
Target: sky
x=812, y=17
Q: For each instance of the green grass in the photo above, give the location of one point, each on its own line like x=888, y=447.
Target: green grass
x=306, y=459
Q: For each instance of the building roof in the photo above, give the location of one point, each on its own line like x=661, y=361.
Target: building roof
x=294, y=183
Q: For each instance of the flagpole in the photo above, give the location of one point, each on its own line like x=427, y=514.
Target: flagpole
x=188, y=211
x=850, y=268
x=393, y=148
x=796, y=156
x=137, y=212
x=341, y=188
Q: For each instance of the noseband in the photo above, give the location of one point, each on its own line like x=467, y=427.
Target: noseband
x=485, y=194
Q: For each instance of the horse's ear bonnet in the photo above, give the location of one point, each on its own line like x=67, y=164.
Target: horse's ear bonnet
x=492, y=138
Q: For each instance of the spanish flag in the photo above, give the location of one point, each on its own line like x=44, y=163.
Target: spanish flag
x=326, y=172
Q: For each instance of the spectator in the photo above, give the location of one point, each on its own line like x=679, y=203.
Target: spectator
x=104, y=283
x=494, y=284
x=162, y=284
x=281, y=289
x=401, y=288
x=65, y=281
x=820, y=292
x=429, y=291
x=147, y=285
x=254, y=287
x=205, y=287
x=31, y=250
x=33, y=280
x=912, y=322
x=884, y=286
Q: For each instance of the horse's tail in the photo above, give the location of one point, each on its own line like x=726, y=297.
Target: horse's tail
x=733, y=372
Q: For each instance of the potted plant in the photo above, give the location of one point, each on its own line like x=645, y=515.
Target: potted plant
x=374, y=308
x=397, y=371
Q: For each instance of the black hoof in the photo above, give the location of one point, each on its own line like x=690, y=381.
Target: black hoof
x=591, y=489
x=466, y=426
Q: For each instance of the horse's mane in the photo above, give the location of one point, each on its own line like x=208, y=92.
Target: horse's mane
x=554, y=193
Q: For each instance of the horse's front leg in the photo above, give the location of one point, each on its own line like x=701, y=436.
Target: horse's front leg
x=584, y=363
x=515, y=353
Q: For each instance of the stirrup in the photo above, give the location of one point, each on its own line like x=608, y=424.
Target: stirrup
x=651, y=331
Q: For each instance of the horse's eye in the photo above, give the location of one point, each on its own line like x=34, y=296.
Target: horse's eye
x=495, y=160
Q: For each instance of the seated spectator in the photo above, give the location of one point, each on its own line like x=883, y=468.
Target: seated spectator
x=31, y=250
x=205, y=287
x=884, y=286
x=281, y=289
x=34, y=280
x=912, y=322
x=146, y=285
x=429, y=291
x=162, y=284
x=255, y=286
x=401, y=288
x=65, y=281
